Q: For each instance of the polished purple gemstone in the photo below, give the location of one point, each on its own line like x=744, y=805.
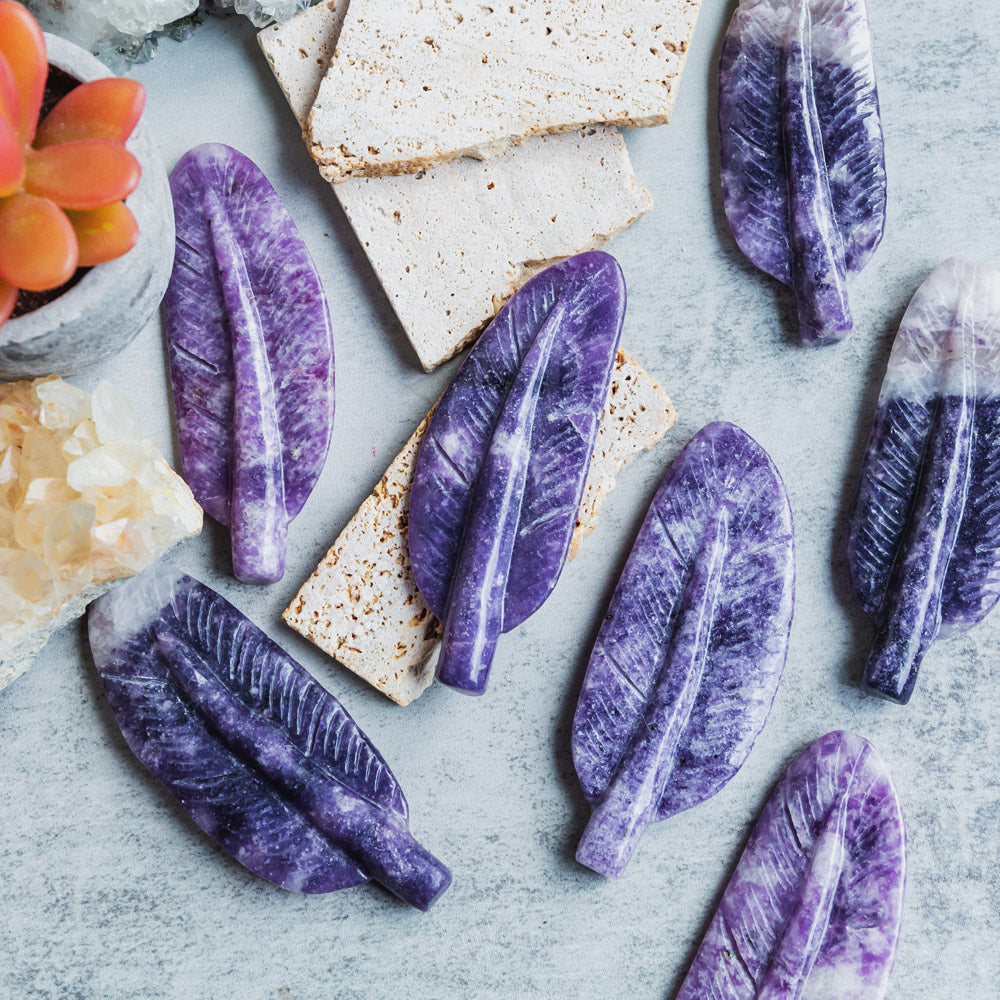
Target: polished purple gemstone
x=924, y=542
x=803, y=171
x=263, y=758
x=501, y=471
x=688, y=659
x=814, y=906
x=251, y=355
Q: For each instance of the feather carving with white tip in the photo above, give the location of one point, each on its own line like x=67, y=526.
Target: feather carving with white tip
x=803, y=167
x=924, y=541
x=263, y=758
x=813, y=910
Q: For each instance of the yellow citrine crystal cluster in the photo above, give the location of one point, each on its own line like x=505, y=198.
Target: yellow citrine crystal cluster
x=86, y=498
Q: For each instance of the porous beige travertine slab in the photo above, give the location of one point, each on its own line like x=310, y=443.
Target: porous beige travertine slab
x=362, y=606
x=452, y=244
x=299, y=52
x=417, y=82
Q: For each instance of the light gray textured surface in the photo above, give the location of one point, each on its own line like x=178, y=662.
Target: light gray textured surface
x=111, y=892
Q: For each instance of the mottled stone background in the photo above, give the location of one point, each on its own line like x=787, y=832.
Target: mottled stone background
x=109, y=891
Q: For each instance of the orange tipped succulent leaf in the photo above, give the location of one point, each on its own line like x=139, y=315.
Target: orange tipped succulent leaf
x=10, y=100
x=104, y=233
x=101, y=109
x=11, y=147
x=85, y=174
x=11, y=159
x=38, y=248
x=22, y=44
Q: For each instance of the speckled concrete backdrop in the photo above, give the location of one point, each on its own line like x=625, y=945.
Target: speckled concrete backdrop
x=109, y=891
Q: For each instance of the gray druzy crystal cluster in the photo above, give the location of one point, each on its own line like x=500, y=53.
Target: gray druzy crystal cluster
x=127, y=31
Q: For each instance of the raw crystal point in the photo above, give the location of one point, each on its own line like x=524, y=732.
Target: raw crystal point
x=501, y=470
x=803, y=171
x=924, y=542
x=689, y=656
x=813, y=909
x=89, y=22
x=263, y=758
x=251, y=355
x=86, y=498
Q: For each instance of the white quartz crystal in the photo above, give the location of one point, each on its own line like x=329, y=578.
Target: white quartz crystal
x=86, y=498
x=262, y=12
x=124, y=31
x=110, y=28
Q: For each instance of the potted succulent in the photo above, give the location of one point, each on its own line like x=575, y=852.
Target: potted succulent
x=86, y=220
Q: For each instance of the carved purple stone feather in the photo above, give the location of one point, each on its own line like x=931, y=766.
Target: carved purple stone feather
x=251, y=355
x=688, y=659
x=501, y=471
x=803, y=170
x=924, y=542
x=813, y=910
x=263, y=758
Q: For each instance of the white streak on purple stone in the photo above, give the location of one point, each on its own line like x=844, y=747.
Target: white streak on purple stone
x=258, y=519
x=475, y=604
x=818, y=271
x=802, y=938
x=910, y=615
x=634, y=793
x=814, y=907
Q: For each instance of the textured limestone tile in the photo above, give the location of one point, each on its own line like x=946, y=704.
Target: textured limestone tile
x=452, y=244
x=299, y=52
x=362, y=606
x=418, y=82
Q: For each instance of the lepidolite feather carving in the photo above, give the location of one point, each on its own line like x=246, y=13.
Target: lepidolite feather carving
x=813, y=910
x=803, y=168
x=251, y=355
x=924, y=543
x=502, y=468
x=689, y=656
x=263, y=758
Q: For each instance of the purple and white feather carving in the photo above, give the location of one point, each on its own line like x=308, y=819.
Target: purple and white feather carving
x=688, y=659
x=263, y=758
x=501, y=470
x=803, y=168
x=251, y=355
x=813, y=910
x=924, y=542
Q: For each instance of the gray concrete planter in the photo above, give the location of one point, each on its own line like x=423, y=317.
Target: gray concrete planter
x=105, y=310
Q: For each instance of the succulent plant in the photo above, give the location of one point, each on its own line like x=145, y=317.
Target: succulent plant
x=63, y=181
